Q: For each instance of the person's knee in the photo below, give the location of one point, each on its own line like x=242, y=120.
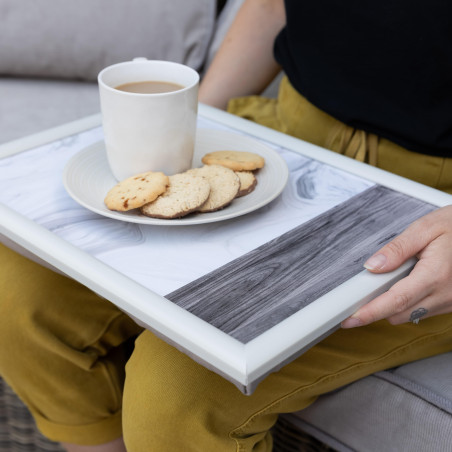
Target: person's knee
x=20, y=288
x=45, y=310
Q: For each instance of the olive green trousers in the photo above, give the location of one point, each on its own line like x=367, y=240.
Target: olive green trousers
x=294, y=115
x=62, y=346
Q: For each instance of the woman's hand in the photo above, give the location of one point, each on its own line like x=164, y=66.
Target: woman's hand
x=427, y=290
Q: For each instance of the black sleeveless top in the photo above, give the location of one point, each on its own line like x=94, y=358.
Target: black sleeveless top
x=384, y=66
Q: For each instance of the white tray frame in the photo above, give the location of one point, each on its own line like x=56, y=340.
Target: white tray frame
x=243, y=364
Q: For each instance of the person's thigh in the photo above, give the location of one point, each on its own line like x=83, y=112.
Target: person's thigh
x=173, y=403
x=293, y=114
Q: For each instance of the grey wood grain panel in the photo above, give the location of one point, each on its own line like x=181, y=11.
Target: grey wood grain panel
x=249, y=295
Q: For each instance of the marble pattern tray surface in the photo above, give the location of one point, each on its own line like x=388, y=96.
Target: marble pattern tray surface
x=161, y=258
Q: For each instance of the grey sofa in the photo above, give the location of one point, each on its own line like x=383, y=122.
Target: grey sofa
x=47, y=77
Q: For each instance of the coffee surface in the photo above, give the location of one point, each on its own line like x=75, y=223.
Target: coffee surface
x=149, y=87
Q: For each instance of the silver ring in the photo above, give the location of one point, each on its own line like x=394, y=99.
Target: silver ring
x=417, y=314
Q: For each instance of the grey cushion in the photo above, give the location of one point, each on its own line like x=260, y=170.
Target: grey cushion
x=31, y=105
x=72, y=39
x=405, y=409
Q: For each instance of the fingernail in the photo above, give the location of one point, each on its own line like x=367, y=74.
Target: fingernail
x=376, y=262
x=351, y=322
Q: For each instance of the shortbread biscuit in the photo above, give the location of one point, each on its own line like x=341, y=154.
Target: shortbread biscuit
x=185, y=194
x=136, y=191
x=248, y=182
x=224, y=186
x=235, y=160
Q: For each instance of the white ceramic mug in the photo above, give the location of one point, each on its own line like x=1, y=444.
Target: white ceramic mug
x=148, y=132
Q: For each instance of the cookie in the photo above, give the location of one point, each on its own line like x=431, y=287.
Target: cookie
x=248, y=182
x=235, y=160
x=185, y=194
x=224, y=186
x=136, y=191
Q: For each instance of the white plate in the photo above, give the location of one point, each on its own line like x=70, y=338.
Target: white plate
x=87, y=178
